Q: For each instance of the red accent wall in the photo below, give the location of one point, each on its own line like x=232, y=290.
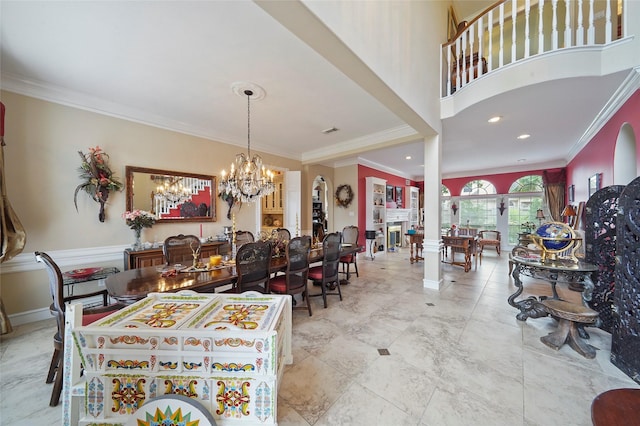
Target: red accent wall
x=363, y=172
x=598, y=155
x=501, y=181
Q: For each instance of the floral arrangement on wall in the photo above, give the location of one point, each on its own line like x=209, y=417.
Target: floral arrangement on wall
x=97, y=178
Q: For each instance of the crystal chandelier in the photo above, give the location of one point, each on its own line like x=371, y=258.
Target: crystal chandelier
x=248, y=179
x=173, y=191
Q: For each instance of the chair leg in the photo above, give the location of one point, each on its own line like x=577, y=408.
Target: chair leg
x=355, y=264
x=57, y=386
x=324, y=294
x=55, y=361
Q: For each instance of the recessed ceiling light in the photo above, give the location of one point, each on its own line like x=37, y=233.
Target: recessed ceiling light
x=408, y=157
x=523, y=136
x=494, y=119
x=522, y=160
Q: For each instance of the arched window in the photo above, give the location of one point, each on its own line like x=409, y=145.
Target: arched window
x=478, y=205
x=530, y=183
x=478, y=187
x=445, y=207
x=525, y=199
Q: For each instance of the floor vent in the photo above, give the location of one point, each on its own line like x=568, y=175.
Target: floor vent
x=383, y=351
x=430, y=304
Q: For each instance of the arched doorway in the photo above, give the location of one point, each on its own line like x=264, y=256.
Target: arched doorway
x=320, y=205
x=625, y=168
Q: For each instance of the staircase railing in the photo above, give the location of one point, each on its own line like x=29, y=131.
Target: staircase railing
x=515, y=30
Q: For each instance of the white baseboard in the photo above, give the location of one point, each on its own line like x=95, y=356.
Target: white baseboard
x=30, y=316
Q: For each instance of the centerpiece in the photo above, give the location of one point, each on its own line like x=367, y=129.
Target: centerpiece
x=136, y=220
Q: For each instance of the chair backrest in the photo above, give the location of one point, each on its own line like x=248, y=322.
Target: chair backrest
x=55, y=287
x=297, y=271
x=350, y=235
x=283, y=234
x=243, y=237
x=487, y=234
x=330, y=256
x=467, y=231
x=252, y=264
x=318, y=231
x=180, y=249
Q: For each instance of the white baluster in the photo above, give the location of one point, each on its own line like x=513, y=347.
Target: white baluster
x=490, y=31
x=527, y=39
x=471, y=43
x=480, y=49
x=580, y=28
x=540, y=27
x=607, y=25
x=501, y=22
x=554, y=25
x=591, y=29
x=514, y=15
x=567, y=24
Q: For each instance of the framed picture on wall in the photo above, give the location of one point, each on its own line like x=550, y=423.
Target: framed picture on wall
x=594, y=183
x=399, y=197
x=572, y=193
x=390, y=193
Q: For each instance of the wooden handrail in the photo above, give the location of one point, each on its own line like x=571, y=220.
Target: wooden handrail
x=462, y=29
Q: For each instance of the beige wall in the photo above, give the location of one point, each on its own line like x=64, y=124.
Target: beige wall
x=41, y=172
x=346, y=175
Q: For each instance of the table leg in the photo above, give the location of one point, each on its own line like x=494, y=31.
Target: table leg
x=529, y=307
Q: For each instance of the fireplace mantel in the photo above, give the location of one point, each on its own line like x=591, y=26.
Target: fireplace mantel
x=398, y=215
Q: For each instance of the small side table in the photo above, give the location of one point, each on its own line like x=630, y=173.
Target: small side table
x=371, y=237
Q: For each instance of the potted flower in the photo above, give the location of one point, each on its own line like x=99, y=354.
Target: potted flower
x=136, y=220
x=98, y=179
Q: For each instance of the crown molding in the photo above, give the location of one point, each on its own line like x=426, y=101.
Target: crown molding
x=628, y=87
x=381, y=139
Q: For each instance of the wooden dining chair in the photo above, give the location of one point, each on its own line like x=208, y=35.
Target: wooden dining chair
x=326, y=275
x=294, y=280
x=488, y=238
x=57, y=308
x=243, y=237
x=180, y=249
x=252, y=265
x=282, y=234
x=349, y=236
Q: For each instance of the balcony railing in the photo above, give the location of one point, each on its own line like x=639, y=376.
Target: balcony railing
x=515, y=30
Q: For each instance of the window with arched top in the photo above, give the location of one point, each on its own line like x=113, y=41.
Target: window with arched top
x=530, y=183
x=478, y=205
x=445, y=207
x=525, y=199
x=478, y=187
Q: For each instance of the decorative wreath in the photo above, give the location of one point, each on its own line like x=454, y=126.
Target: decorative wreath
x=344, y=195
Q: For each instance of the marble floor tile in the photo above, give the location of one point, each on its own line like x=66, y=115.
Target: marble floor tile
x=458, y=356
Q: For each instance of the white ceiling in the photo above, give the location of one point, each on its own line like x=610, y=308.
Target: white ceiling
x=172, y=64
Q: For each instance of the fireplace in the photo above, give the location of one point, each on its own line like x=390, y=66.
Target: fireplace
x=394, y=235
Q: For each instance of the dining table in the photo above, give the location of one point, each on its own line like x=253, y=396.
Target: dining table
x=134, y=284
x=465, y=244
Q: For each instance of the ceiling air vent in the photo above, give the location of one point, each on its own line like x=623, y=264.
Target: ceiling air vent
x=330, y=130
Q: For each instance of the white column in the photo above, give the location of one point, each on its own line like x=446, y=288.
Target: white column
x=431, y=244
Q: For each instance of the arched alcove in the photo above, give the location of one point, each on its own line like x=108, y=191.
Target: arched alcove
x=625, y=167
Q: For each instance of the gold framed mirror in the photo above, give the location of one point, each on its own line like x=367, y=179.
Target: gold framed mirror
x=172, y=196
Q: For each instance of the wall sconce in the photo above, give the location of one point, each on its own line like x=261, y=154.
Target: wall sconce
x=569, y=212
x=502, y=208
x=539, y=216
x=454, y=207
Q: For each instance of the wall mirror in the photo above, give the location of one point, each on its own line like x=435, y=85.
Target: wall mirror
x=172, y=196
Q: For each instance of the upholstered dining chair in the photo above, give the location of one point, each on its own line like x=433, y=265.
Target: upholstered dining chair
x=252, y=265
x=243, y=237
x=326, y=275
x=180, y=249
x=57, y=308
x=349, y=236
x=489, y=238
x=283, y=234
x=294, y=280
